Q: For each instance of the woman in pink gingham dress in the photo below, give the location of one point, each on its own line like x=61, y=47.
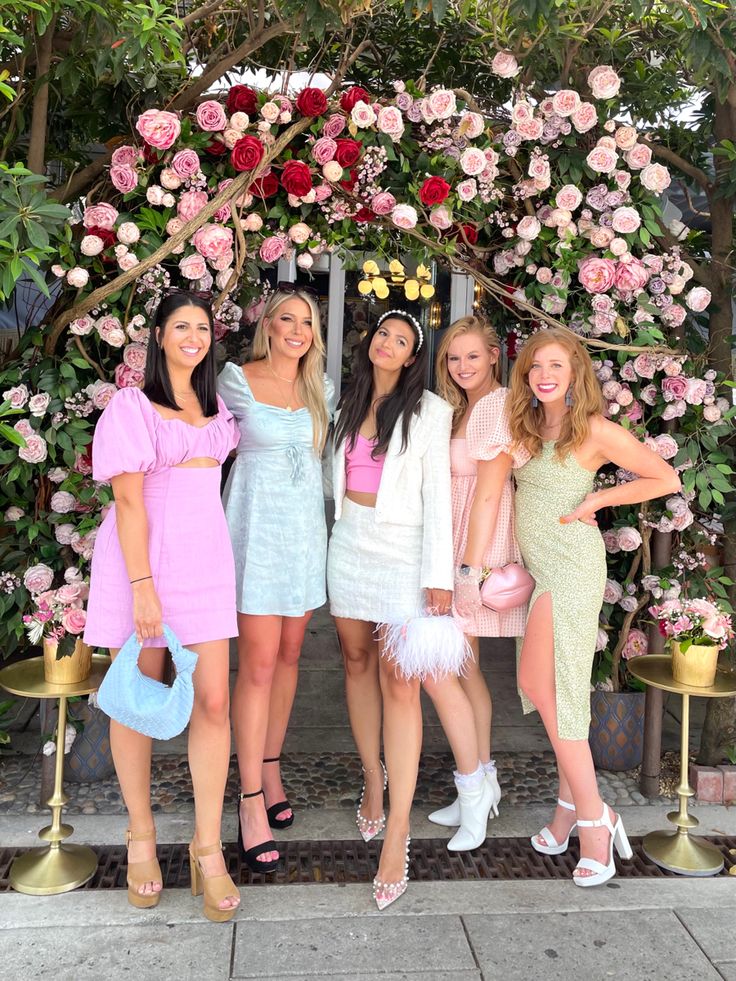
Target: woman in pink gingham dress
x=483, y=530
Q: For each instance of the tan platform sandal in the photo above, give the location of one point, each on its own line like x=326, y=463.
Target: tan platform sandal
x=215, y=887
x=139, y=873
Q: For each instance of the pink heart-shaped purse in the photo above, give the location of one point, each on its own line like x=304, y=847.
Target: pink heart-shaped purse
x=506, y=588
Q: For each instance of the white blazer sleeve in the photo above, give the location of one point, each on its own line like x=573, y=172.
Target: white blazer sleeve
x=437, y=565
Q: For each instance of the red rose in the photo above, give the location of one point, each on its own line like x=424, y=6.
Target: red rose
x=247, y=153
x=216, y=148
x=349, y=184
x=264, y=186
x=364, y=215
x=242, y=98
x=150, y=155
x=348, y=151
x=106, y=234
x=434, y=191
x=471, y=234
x=311, y=102
x=296, y=177
x=353, y=95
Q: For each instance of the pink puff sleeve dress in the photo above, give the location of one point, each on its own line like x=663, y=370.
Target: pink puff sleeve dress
x=188, y=542
x=487, y=435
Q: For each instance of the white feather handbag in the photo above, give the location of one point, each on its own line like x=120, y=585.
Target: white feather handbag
x=426, y=646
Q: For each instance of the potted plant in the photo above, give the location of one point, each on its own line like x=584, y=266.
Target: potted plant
x=57, y=621
x=696, y=631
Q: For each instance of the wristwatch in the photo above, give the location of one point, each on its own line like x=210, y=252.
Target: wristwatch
x=466, y=571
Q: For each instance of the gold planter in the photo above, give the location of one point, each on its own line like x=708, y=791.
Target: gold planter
x=697, y=666
x=68, y=670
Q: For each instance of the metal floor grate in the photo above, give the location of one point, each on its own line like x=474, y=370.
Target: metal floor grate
x=343, y=862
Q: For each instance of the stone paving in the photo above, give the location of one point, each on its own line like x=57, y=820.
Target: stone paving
x=313, y=781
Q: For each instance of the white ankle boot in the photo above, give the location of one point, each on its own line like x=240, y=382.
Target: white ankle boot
x=449, y=817
x=475, y=804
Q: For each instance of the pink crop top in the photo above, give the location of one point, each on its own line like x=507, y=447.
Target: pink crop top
x=362, y=472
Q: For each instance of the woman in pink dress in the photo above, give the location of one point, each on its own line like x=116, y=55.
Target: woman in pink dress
x=468, y=374
x=163, y=555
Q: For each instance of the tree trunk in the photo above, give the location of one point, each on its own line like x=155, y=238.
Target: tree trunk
x=39, y=117
x=719, y=731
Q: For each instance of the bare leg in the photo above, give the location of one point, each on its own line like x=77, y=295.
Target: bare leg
x=131, y=752
x=258, y=646
x=455, y=712
x=363, y=693
x=283, y=690
x=475, y=687
x=209, y=751
x=402, y=740
x=574, y=760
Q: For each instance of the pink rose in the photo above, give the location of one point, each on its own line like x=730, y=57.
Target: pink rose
x=128, y=233
x=565, y=102
x=625, y=137
x=127, y=261
x=270, y=112
x=391, y=122
x=211, y=117
x=125, y=156
x=604, y=82
x=77, y=277
x=62, y=502
x=213, y=241
x=81, y=326
x=601, y=238
x=191, y=203
x=383, y=203
x=528, y=228
x=473, y=161
x=638, y=156
x=530, y=129
x=602, y=160
x=665, y=446
x=38, y=404
x=253, y=223
x=655, y=178
x=134, y=356
x=612, y=592
x=24, y=427
x=629, y=539
x=124, y=179
x=363, y=115
x=332, y=171
x=155, y=195
x=441, y=218
x=543, y=275
x=521, y=112
x=101, y=215
x=597, y=275
x=69, y=593
x=74, y=620
x=192, y=266
x=674, y=388
x=101, y=394
x=632, y=275
x=636, y=644
x=472, y=125
x=404, y=216
x=585, y=117
x=645, y=365
x=442, y=103
x=696, y=391
x=38, y=578
x=126, y=377
x=324, y=150
x=539, y=170
x=505, y=65
x=569, y=197
x=185, y=163
x=17, y=396
x=698, y=299
x=625, y=220
x=272, y=248
x=467, y=190
x=169, y=179
x=159, y=128
x=63, y=534
x=333, y=126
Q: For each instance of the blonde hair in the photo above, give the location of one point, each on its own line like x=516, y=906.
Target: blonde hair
x=310, y=374
x=448, y=389
x=525, y=420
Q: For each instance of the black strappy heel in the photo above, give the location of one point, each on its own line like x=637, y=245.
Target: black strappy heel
x=249, y=855
x=281, y=805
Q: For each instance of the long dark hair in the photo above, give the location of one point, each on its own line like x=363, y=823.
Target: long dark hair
x=404, y=401
x=157, y=384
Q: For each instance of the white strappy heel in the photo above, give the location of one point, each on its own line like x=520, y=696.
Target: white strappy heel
x=602, y=873
x=551, y=846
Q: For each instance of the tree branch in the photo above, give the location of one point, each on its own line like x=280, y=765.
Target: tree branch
x=39, y=117
x=698, y=175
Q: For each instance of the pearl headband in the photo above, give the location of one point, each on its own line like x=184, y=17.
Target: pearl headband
x=406, y=316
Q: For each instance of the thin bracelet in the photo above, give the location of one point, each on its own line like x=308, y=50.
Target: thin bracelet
x=140, y=580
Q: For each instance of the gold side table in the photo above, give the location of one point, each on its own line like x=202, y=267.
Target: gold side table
x=55, y=867
x=677, y=851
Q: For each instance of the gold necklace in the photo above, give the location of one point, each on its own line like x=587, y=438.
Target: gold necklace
x=292, y=382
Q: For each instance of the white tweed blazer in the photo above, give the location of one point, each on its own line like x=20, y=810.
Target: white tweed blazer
x=415, y=487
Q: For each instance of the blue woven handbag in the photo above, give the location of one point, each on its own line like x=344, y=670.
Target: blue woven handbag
x=142, y=703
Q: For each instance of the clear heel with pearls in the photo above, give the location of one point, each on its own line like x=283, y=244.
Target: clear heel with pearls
x=369, y=828
x=386, y=893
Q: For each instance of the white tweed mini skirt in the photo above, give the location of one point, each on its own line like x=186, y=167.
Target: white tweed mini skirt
x=373, y=570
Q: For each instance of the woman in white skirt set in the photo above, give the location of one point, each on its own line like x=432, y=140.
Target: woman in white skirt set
x=389, y=559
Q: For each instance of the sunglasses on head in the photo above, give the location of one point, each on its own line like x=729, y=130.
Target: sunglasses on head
x=200, y=294
x=297, y=288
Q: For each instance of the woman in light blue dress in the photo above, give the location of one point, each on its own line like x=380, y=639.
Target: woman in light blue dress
x=275, y=512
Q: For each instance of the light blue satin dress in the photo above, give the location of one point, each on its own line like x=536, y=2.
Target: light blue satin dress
x=274, y=504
